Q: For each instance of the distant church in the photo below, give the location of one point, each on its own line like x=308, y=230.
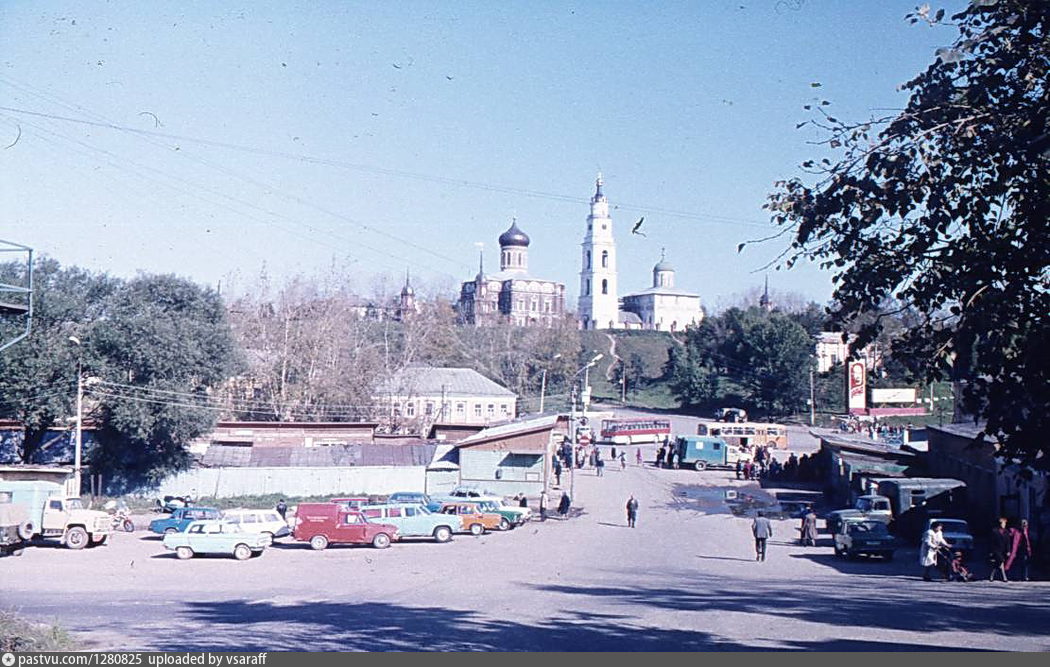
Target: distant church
x=512, y=295
x=662, y=307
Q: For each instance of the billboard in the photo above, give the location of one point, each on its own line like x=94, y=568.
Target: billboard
x=896, y=395
x=856, y=386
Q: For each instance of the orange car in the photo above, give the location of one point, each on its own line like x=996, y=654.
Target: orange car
x=474, y=518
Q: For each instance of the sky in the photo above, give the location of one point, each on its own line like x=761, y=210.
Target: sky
x=221, y=140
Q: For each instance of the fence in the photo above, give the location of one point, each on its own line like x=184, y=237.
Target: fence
x=230, y=482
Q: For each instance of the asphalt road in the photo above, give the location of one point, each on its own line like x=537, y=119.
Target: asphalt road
x=684, y=579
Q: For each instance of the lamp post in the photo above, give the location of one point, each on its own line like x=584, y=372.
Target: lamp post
x=572, y=424
x=543, y=383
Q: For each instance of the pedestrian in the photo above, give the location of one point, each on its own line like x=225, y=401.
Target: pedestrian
x=762, y=530
x=999, y=550
x=932, y=543
x=670, y=457
x=557, y=472
x=599, y=465
x=660, y=454
x=809, y=528
x=623, y=461
x=282, y=509
x=632, y=511
x=522, y=500
x=612, y=453
x=1021, y=552
x=563, y=505
x=747, y=469
x=638, y=456
x=543, y=505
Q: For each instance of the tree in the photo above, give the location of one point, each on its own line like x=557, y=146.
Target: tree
x=38, y=377
x=945, y=207
x=163, y=351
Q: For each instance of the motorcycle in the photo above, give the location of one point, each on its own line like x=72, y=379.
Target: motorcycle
x=120, y=516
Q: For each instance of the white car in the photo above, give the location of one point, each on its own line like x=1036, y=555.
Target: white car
x=267, y=522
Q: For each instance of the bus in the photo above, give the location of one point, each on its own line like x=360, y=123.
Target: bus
x=746, y=434
x=634, y=431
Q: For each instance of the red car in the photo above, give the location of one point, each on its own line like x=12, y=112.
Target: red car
x=322, y=524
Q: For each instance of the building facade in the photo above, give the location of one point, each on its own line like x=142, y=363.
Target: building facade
x=664, y=307
x=512, y=295
x=418, y=397
x=598, y=304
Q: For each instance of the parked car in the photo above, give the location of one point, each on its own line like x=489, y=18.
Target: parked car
x=515, y=514
x=267, y=522
x=872, y=507
x=322, y=524
x=409, y=497
x=414, y=520
x=182, y=517
x=215, y=537
x=510, y=517
x=867, y=537
x=955, y=531
x=475, y=520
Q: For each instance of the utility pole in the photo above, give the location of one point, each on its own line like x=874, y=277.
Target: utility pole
x=812, y=399
x=543, y=388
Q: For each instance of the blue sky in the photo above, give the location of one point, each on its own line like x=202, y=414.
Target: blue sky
x=211, y=139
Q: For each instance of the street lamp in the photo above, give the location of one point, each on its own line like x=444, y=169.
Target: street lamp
x=572, y=424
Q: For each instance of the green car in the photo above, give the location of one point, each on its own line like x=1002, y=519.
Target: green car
x=216, y=537
x=510, y=516
x=864, y=537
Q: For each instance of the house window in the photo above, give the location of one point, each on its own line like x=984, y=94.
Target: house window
x=461, y=409
x=429, y=408
x=605, y=259
x=492, y=410
x=477, y=409
x=504, y=410
x=410, y=409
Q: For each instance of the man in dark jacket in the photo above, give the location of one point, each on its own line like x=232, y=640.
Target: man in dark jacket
x=762, y=530
x=632, y=511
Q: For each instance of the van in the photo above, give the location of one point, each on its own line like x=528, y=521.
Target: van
x=267, y=522
x=704, y=451
x=322, y=524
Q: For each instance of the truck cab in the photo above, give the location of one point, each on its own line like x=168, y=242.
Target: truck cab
x=51, y=514
x=704, y=451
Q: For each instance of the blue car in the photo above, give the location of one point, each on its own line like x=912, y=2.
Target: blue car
x=409, y=497
x=177, y=521
x=414, y=520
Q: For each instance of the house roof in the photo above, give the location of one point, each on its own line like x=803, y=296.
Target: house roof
x=431, y=381
x=662, y=291
x=220, y=456
x=858, y=444
x=509, y=429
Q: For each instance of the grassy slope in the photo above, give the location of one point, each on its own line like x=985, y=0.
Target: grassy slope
x=652, y=347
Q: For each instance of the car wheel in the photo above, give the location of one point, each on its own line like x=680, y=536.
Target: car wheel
x=26, y=530
x=442, y=533
x=170, y=531
x=381, y=541
x=242, y=552
x=504, y=524
x=77, y=538
x=839, y=552
x=476, y=529
x=318, y=542
x=700, y=466
x=184, y=553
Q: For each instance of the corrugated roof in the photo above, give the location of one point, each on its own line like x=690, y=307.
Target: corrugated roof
x=431, y=381
x=510, y=428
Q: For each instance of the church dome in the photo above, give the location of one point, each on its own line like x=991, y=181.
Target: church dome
x=514, y=237
x=663, y=265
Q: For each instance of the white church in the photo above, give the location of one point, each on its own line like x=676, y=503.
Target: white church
x=661, y=307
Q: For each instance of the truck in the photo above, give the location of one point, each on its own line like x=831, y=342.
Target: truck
x=870, y=507
x=916, y=500
x=15, y=529
x=50, y=514
x=705, y=451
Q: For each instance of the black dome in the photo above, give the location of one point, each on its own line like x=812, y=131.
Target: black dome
x=514, y=237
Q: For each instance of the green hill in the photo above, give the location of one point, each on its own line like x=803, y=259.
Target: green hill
x=645, y=354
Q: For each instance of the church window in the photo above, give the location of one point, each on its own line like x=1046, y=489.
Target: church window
x=587, y=287
x=587, y=259
x=605, y=259
x=533, y=306
x=605, y=286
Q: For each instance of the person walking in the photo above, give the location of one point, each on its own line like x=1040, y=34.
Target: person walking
x=999, y=550
x=543, y=505
x=563, y=505
x=522, y=500
x=638, y=456
x=932, y=542
x=623, y=461
x=809, y=529
x=660, y=453
x=282, y=509
x=1021, y=553
x=632, y=511
x=762, y=530
x=739, y=467
x=557, y=472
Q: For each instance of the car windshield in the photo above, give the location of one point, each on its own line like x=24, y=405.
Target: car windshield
x=949, y=526
x=868, y=528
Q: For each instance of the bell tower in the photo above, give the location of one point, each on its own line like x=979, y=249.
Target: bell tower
x=598, y=305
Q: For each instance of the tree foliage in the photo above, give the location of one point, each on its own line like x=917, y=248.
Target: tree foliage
x=757, y=359
x=945, y=207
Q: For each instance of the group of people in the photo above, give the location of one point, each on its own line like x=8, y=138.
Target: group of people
x=1009, y=554
x=563, y=505
x=873, y=429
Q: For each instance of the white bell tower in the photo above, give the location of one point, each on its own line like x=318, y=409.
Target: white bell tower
x=598, y=306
